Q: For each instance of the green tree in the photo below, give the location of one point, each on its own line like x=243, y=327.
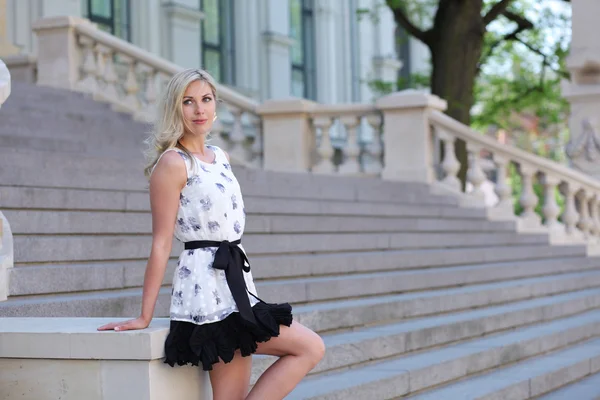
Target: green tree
x=464, y=42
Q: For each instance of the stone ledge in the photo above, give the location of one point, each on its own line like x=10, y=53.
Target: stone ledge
x=78, y=338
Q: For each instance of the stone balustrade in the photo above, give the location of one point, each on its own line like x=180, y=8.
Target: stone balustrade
x=302, y=136
x=416, y=129
x=75, y=55
x=67, y=358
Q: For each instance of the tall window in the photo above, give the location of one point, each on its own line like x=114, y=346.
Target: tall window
x=217, y=39
x=113, y=16
x=302, y=30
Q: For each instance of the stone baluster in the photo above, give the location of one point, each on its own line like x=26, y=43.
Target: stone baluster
x=130, y=103
x=375, y=149
x=325, y=150
x=350, y=165
x=475, y=174
x=570, y=216
x=504, y=208
x=257, y=145
x=584, y=223
x=147, y=112
x=236, y=135
x=107, y=75
x=594, y=216
x=88, y=82
x=528, y=219
x=449, y=164
x=551, y=209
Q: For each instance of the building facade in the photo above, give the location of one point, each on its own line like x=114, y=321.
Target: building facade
x=324, y=50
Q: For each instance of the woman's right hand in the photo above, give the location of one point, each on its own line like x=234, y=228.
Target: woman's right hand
x=130, y=325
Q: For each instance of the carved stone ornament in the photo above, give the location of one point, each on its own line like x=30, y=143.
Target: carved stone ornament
x=586, y=145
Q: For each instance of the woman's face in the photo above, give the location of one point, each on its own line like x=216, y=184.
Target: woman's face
x=199, y=108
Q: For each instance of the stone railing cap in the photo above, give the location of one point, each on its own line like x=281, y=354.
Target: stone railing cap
x=78, y=338
x=59, y=22
x=411, y=99
x=286, y=106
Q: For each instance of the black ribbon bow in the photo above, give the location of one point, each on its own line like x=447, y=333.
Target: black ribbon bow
x=231, y=259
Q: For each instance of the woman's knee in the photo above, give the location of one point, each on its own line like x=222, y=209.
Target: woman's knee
x=315, y=349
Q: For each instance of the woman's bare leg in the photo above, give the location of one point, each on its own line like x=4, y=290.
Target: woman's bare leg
x=300, y=350
x=231, y=381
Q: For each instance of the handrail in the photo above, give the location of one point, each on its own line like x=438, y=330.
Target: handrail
x=161, y=65
x=544, y=165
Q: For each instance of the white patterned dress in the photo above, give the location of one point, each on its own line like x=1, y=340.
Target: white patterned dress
x=211, y=207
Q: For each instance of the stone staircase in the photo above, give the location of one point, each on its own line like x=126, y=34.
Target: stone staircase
x=414, y=296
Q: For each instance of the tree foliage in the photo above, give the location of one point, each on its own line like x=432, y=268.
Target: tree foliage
x=494, y=61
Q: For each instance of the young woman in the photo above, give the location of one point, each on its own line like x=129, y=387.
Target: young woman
x=216, y=319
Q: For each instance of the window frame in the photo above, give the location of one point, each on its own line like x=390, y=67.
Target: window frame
x=111, y=21
x=308, y=67
x=225, y=48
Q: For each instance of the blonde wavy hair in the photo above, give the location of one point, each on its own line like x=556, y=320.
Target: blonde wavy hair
x=169, y=126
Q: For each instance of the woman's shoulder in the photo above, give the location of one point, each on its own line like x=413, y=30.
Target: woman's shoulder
x=172, y=160
x=218, y=150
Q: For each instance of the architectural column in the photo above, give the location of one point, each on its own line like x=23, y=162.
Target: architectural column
x=247, y=43
x=182, y=39
x=327, y=49
x=6, y=47
x=583, y=91
x=277, y=73
x=145, y=23
x=385, y=61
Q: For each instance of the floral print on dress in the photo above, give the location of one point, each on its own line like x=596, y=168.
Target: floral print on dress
x=197, y=289
x=204, y=169
x=206, y=204
x=183, y=227
x=194, y=224
x=227, y=166
x=177, y=298
x=237, y=227
x=216, y=297
x=194, y=180
x=183, y=200
x=228, y=179
x=184, y=272
x=220, y=187
x=213, y=226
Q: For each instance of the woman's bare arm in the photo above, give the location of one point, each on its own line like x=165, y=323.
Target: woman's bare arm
x=166, y=182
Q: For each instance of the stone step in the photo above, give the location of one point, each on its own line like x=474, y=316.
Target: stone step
x=413, y=373
x=585, y=389
x=529, y=379
x=509, y=261
x=37, y=198
x=303, y=290
x=392, y=339
x=96, y=222
x=40, y=248
x=321, y=316
x=94, y=172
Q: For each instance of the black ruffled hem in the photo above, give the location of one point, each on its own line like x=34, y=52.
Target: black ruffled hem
x=188, y=343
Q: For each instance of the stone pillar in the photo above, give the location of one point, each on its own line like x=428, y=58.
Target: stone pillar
x=6, y=47
x=247, y=47
x=288, y=140
x=328, y=51
x=58, y=55
x=182, y=40
x=278, y=69
x=408, y=146
x=385, y=61
x=583, y=91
